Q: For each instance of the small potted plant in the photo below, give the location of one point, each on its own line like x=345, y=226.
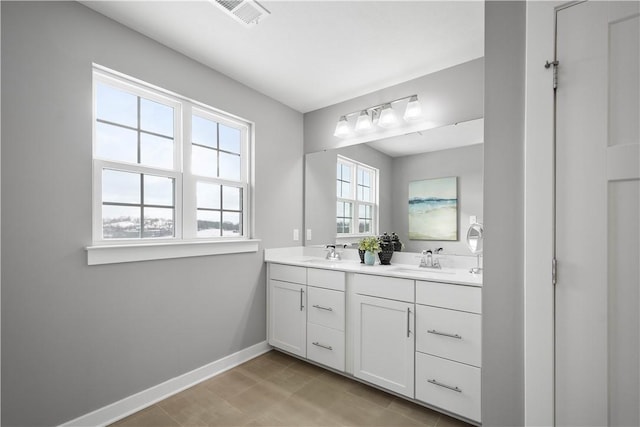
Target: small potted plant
x=370, y=246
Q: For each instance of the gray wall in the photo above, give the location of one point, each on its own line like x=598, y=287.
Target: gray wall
x=449, y=96
x=467, y=164
x=320, y=190
x=74, y=337
x=503, y=292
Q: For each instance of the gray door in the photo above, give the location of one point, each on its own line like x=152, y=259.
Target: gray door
x=597, y=215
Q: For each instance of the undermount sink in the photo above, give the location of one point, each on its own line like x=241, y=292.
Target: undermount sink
x=422, y=270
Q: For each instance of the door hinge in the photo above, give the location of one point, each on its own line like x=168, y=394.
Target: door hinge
x=554, y=271
x=555, y=71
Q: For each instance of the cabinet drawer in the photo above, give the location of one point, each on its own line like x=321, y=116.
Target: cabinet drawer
x=384, y=287
x=325, y=307
x=451, y=334
x=449, y=385
x=326, y=279
x=456, y=297
x=325, y=346
x=288, y=273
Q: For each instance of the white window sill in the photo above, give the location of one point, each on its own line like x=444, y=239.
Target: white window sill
x=111, y=254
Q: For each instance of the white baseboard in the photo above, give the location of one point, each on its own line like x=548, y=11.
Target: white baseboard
x=134, y=403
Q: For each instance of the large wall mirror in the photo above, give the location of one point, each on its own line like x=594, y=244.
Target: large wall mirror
x=386, y=167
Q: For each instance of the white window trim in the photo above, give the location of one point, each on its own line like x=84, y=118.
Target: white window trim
x=185, y=243
x=354, y=196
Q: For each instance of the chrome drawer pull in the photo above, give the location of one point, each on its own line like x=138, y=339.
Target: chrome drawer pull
x=445, y=386
x=301, y=298
x=323, y=308
x=328, y=347
x=444, y=334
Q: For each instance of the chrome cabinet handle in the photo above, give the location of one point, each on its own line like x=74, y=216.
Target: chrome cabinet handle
x=328, y=347
x=444, y=334
x=301, y=298
x=439, y=384
x=408, y=322
x=322, y=308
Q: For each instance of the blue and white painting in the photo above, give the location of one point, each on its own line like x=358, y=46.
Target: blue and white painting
x=433, y=209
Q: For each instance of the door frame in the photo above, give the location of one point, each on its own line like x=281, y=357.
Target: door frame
x=539, y=298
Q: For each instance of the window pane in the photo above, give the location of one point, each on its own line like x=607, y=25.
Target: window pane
x=364, y=226
x=158, y=222
x=204, y=132
x=158, y=190
x=207, y=195
x=231, y=198
x=230, y=166
x=229, y=139
x=116, y=143
x=156, y=117
x=344, y=172
x=120, y=187
x=345, y=190
x=120, y=222
x=231, y=224
x=364, y=194
x=365, y=178
x=208, y=223
x=344, y=225
x=204, y=161
x=156, y=151
x=116, y=106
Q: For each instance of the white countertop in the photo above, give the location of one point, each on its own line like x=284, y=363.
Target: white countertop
x=458, y=276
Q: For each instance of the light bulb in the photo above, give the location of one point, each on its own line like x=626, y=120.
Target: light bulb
x=413, y=111
x=342, y=128
x=364, y=122
x=388, y=117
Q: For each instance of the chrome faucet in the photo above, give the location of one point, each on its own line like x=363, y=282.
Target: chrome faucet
x=332, y=254
x=427, y=260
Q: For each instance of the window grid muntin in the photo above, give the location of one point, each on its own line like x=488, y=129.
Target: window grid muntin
x=183, y=108
x=222, y=209
x=142, y=205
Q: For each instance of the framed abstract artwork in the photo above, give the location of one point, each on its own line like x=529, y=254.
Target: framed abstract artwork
x=433, y=209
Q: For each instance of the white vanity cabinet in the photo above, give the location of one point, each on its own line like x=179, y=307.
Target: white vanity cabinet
x=306, y=313
x=448, y=347
x=383, y=332
x=418, y=338
x=288, y=308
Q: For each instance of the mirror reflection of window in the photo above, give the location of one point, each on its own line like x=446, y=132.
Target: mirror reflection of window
x=356, y=198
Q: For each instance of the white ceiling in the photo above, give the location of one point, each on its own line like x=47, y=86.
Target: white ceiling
x=312, y=54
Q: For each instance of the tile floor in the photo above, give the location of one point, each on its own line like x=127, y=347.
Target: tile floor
x=278, y=390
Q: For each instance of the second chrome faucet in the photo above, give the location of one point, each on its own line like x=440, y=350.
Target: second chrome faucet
x=428, y=261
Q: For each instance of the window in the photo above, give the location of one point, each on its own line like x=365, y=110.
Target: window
x=357, y=198
x=166, y=169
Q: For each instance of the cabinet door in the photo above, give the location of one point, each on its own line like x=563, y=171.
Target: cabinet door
x=384, y=343
x=288, y=317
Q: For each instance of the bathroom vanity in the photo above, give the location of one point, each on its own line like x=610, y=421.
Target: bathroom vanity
x=412, y=331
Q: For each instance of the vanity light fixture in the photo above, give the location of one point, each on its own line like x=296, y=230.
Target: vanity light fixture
x=413, y=112
x=342, y=128
x=364, y=122
x=382, y=115
x=388, y=117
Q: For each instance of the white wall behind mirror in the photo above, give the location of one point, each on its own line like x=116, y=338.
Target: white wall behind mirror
x=449, y=144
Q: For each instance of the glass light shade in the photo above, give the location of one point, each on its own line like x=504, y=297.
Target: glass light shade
x=388, y=117
x=414, y=110
x=342, y=128
x=364, y=122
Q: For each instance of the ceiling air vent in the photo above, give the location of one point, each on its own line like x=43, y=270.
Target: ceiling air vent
x=248, y=12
